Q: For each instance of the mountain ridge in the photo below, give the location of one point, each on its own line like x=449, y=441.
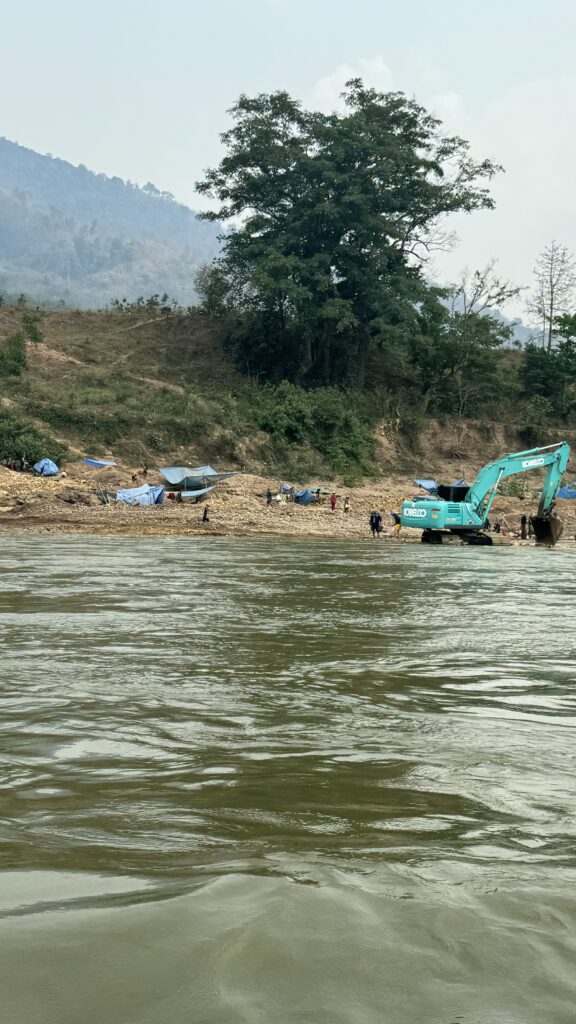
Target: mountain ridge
x=71, y=234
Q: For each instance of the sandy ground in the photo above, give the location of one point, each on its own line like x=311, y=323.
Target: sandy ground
x=71, y=504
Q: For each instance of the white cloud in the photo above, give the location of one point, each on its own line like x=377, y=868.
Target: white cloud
x=528, y=130
x=326, y=93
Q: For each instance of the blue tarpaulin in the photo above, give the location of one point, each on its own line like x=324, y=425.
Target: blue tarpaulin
x=186, y=495
x=46, y=468
x=144, y=495
x=305, y=497
x=197, y=478
x=99, y=463
x=427, y=485
x=286, y=488
x=568, y=491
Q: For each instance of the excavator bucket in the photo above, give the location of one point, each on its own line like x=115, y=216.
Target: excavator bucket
x=547, y=529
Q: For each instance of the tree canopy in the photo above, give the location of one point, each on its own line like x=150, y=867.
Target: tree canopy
x=335, y=216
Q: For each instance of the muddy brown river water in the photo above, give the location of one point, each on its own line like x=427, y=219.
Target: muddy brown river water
x=272, y=782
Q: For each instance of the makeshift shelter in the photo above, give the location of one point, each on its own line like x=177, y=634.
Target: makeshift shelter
x=99, y=463
x=568, y=491
x=427, y=485
x=305, y=497
x=46, y=468
x=193, y=483
x=144, y=495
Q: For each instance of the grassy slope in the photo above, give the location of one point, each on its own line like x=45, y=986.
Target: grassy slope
x=144, y=388
x=110, y=381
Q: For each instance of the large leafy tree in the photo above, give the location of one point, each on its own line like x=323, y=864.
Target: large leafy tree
x=334, y=217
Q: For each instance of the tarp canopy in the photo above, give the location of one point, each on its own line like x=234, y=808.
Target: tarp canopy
x=196, y=494
x=144, y=495
x=99, y=463
x=46, y=468
x=195, y=478
x=568, y=491
x=427, y=485
x=286, y=488
x=305, y=497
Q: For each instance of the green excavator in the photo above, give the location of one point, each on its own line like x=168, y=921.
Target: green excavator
x=463, y=510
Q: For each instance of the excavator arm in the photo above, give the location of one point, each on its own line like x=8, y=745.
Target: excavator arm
x=485, y=486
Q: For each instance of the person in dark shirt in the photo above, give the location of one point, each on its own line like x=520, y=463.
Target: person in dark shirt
x=205, y=518
x=376, y=524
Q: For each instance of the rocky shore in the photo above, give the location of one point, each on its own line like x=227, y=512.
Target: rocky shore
x=72, y=503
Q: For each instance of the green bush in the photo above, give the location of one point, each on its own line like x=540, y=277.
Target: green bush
x=20, y=439
x=535, y=423
x=13, y=355
x=328, y=420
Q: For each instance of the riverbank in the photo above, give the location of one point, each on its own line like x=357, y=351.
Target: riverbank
x=71, y=503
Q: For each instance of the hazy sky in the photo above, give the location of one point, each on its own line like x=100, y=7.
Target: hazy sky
x=140, y=89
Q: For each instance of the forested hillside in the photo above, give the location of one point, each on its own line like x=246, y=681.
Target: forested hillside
x=69, y=234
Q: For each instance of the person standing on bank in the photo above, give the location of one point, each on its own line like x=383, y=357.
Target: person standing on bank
x=333, y=500
x=376, y=525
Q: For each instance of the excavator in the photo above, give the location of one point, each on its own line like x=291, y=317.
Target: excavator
x=463, y=510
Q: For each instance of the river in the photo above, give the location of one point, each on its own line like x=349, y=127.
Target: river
x=272, y=782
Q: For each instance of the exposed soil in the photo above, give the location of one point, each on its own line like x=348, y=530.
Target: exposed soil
x=72, y=503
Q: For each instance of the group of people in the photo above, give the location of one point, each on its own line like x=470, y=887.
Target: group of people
x=140, y=475
x=501, y=526
x=334, y=502
x=285, y=496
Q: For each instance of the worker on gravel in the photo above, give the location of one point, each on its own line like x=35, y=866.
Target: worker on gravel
x=376, y=525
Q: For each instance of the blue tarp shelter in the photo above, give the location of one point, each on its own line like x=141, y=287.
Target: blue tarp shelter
x=427, y=485
x=568, y=491
x=99, y=463
x=197, y=478
x=144, y=495
x=187, y=495
x=305, y=497
x=46, y=468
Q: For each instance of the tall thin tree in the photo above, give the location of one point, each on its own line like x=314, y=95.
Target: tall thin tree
x=555, y=288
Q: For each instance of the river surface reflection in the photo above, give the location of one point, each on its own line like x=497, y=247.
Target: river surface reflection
x=263, y=781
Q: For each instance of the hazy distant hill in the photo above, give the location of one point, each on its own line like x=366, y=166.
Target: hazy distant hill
x=68, y=233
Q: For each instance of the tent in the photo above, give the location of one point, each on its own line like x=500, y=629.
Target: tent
x=568, y=491
x=305, y=497
x=46, y=468
x=427, y=485
x=99, y=463
x=144, y=495
x=184, y=478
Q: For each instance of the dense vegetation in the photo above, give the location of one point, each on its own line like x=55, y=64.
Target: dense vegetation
x=316, y=320
x=323, y=281
x=83, y=238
